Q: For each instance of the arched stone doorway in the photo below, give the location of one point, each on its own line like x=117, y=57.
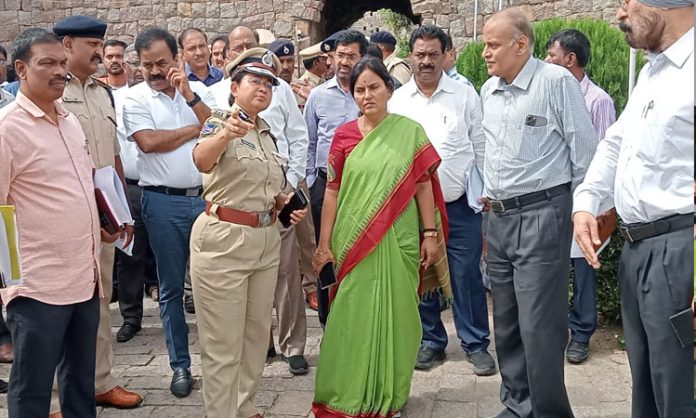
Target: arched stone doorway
x=341, y=14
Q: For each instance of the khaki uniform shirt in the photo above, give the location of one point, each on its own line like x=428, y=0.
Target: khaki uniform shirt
x=312, y=80
x=92, y=106
x=249, y=173
x=398, y=68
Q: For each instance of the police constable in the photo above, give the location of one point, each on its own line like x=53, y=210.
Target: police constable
x=397, y=67
x=235, y=244
x=314, y=61
x=644, y=163
x=285, y=51
x=91, y=101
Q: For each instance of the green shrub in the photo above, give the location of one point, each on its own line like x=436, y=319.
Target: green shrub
x=608, y=68
x=608, y=65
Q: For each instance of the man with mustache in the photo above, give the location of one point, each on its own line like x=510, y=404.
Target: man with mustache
x=288, y=127
x=329, y=106
x=114, y=55
x=91, y=101
x=194, y=49
x=450, y=113
x=218, y=53
x=164, y=117
x=645, y=164
x=539, y=143
x=46, y=173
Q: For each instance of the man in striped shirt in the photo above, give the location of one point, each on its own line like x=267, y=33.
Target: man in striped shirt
x=570, y=49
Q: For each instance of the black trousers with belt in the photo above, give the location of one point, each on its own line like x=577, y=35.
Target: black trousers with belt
x=48, y=338
x=655, y=276
x=316, y=196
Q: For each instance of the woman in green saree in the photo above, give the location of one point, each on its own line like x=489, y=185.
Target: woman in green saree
x=380, y=229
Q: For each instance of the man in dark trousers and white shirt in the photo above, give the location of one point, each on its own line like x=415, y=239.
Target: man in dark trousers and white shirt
x=539, y=142
x=645, y=163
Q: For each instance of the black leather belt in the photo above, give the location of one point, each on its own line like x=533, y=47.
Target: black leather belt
x=192, y=192
x=321, y=172
x=132, y=182
x=499, y=206
x=638, y=232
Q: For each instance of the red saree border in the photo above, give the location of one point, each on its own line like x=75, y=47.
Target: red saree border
x=390, y=210
x=322, y=411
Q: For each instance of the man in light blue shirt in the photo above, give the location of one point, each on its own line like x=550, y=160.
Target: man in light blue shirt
x=329, y=106
x=451, y=63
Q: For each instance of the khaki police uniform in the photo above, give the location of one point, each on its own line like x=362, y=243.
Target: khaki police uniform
x=92, y=105
x=234, y=268
x=398, y=68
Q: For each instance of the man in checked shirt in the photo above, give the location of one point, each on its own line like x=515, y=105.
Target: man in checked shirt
x=539, y=143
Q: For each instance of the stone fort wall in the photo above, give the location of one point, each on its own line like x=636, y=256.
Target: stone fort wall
x=311, y=19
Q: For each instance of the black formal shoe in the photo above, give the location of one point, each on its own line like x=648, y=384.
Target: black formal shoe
x=188, y=305
x=427, y=357
x=3, y=386
x=127, y=332
x=577, y=352
x=484, y=365
x=271, y=353
x=298, y=365
x=181, y=382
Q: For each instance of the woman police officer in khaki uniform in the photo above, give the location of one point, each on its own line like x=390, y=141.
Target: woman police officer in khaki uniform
x=235, y=243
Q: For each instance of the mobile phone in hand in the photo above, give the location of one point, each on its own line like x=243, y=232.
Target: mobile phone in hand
x=298, y=201
x=327, y=276
x=244, y=116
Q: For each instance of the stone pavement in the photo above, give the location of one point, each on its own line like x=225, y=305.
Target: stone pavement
x=599, y=388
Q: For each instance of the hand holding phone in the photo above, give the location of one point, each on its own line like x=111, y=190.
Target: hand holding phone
x=327, y=276
x=298, y=201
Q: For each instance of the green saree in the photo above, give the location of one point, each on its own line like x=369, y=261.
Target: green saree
x=374, y=330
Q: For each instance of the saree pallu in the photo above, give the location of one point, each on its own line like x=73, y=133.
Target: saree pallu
x=373, y=333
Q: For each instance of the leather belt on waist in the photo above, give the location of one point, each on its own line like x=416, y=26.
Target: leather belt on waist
x=499, y=206
x=321, y=172
x=639, y=232
x=234, y=216
x=131, y=182
x=192, y=192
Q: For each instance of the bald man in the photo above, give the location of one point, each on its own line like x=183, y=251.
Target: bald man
x=645, y=165
x=539, y=143
x=239, y=40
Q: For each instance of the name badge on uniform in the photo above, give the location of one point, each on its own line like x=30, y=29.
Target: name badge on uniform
x=248, y=144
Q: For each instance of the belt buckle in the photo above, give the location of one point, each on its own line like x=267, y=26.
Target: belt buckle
x=497, y=206
x=265, y=219
x=192, y=192
x=626, y=232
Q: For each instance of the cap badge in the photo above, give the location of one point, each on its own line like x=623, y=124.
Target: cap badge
x=267, y=58
x=286, y=50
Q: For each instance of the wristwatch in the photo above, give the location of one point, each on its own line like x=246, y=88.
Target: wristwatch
x=430, y=233
x=196, y=99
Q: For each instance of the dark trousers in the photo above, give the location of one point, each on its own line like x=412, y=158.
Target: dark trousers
x=656, y=276
x=5, y=336
x=528, y=267
x=169, y=220
x=137, y=272
x=316, y=196
x=582, y=318
x=470, y=306
x=46, y=338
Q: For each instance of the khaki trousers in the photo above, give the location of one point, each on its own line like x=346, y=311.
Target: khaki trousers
x=234, y=270
x=307, y=246
x=103, y=380
x=289, y=299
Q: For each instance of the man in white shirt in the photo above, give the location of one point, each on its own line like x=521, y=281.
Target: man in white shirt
x=163, y=116
x=645, y=163
x=288, y=127
x=450, y=113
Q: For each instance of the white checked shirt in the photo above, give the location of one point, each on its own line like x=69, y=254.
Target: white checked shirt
x=646, y=160
x=539, y=133
x=147, y=109
x=451, y=118
x=286, y=122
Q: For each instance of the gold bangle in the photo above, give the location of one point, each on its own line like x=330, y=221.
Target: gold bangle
x=321, y=252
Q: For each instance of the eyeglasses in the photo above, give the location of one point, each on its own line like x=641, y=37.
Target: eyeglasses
x=259, y=82
x=340, y=56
